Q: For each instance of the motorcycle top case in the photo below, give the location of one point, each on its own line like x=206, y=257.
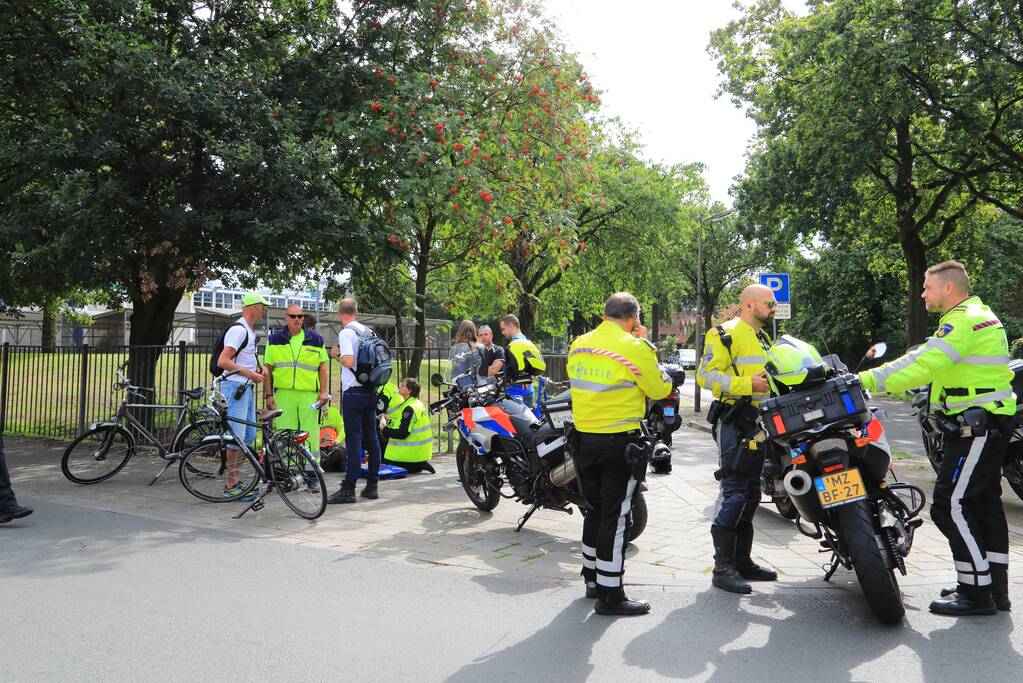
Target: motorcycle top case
x=837, y=402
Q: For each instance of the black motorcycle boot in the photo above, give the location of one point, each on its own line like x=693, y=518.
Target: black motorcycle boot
x=725, y=576
x=592, y=592
x=747, y=568
x=345, y=494
x=966, y=601
x=371, y=490
x=612, y=602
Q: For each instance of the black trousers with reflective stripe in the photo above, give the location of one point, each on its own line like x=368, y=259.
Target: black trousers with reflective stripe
x=608, y=487
x=967, y=503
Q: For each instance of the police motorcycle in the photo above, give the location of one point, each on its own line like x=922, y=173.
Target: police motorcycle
x=838, y=473
x=935, y=427
x=502, y=441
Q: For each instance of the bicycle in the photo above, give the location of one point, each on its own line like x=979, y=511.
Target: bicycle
x=105, y=448
x=283, y=465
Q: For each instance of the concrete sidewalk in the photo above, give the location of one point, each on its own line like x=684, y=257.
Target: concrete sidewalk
x=427, y=520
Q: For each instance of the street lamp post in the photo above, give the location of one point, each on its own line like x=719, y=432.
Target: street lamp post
x=698, y=346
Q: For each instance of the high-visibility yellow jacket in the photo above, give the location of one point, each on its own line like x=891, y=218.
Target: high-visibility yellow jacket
x=611, y=374
x=418, y=445
x=729, y=374
x=966, y=362
x=299, y=371
x=523, y=359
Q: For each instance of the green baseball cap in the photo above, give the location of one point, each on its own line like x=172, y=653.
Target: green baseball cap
x=250, y=299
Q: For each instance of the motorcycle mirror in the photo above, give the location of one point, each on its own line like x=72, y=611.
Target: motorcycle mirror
x=879, y=349
x=437, y=379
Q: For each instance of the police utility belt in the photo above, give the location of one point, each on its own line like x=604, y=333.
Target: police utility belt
x=741, y=416
x=967, y=424
x=638, y=447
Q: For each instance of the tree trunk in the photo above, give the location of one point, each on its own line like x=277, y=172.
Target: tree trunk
x=655, y=322
x=49, y=323
x=915, y=254
x=419, y=307
x=151, y=323
x=527, y=314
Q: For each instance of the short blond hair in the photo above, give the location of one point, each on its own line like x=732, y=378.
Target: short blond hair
x=954, y=272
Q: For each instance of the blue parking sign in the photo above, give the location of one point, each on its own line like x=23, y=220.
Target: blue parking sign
x=779, y=284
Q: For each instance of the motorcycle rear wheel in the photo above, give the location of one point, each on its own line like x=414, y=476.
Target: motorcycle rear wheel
x=857, y=533
x=786, y=508
x=934, y=451
x=480, y=492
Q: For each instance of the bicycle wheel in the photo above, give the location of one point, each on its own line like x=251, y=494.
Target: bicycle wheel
x=192, y=433
x=296, y=477
x=204, y=473
x=98, y=454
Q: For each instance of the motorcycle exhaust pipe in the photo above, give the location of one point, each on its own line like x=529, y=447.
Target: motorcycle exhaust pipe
x=563, y=473
x=799, y=485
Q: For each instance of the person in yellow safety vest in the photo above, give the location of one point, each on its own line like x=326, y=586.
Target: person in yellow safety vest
x=296, y=377
x=612, y=371
x=966, y=362
x=406, y=430
x=732, y=368
x=523, y=361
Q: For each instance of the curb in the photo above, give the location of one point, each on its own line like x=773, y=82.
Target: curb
x=702, y=426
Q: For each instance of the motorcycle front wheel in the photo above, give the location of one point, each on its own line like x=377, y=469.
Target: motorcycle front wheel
x=934, y=452
x=858, y=534
x=481, y=493
x=786, y=508
x=1013, y=469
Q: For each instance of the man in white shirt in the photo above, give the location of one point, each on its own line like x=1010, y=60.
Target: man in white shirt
x=358, y=408
x=239, y=360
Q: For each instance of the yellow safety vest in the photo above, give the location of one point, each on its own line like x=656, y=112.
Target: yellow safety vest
x=524, y=359
x=301, y=372
x=728, y=374
x=611, y=374
x=418, y=445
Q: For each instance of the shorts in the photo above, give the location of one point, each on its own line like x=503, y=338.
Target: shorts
x=243, y=408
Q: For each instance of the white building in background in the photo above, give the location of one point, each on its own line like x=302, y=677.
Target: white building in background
x=226, y=299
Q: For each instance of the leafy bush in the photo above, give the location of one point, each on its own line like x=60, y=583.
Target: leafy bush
x=1016, y=349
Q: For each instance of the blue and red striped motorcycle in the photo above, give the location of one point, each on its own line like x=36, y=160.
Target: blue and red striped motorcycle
x=501, y=441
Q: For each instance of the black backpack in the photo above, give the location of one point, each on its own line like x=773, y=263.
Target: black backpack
x=372, y=360
x=218, y=348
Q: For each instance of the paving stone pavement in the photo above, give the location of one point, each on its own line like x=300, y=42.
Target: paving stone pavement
x=427, y=520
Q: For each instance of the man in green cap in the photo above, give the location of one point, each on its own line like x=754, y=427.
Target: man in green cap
x=238, y=359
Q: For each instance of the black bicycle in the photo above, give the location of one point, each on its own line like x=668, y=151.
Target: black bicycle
x=105, y=448
x=210, y=472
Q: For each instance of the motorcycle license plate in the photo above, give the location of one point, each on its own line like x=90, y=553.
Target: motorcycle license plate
x=669, y=411
x=840, y=488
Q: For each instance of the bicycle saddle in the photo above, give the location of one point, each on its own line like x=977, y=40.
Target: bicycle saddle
x=267, y=415
x=193, y=394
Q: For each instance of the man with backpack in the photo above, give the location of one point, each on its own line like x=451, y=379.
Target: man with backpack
x=238, y=358
x=365, y=362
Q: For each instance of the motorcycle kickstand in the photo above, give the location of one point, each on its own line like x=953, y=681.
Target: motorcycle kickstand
x=257, y=504
x=832, y=567
x=171, y=459
x=525, y=517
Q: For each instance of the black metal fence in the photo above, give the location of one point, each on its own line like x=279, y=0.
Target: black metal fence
x=57, y=393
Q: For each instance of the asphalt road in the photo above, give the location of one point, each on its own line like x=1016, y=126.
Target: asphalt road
x=93, y=595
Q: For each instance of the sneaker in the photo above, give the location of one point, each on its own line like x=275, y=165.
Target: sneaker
x=311, y=482
x=237, y=489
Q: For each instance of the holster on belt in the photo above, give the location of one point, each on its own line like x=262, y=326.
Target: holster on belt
x=744, y=461
x=637, y=454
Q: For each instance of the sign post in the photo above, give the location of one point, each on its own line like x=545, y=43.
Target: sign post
x=779, y=284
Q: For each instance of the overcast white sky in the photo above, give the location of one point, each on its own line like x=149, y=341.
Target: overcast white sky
x=649, y=57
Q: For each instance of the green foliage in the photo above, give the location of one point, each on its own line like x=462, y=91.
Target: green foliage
x=1016, y=350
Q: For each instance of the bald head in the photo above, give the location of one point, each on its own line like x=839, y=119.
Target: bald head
x=756, y=293
x=756, y=306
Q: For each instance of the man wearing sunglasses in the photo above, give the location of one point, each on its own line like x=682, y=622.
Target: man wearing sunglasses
x=732, y=368
x=296, y=361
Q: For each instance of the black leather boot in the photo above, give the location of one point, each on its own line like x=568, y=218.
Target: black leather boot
x=965, y=601
x=747, y=568
x=999, y=587
x=371, y=489
x=345, y=494
x=613, y=603
x=592, y=592
x=725, y=575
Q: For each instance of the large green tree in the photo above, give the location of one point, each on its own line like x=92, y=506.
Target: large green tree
x=845, y=143
x=146, y=147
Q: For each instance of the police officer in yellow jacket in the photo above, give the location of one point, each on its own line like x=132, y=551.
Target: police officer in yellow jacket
x=296, y=362
x=612, y=370
x=732, y=368
x=523, y=361
x=966, y=362
x=405, y=429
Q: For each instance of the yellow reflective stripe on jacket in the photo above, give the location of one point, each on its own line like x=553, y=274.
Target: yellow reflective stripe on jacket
x=968, y=355
x=748, y=355
x=611, y=374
